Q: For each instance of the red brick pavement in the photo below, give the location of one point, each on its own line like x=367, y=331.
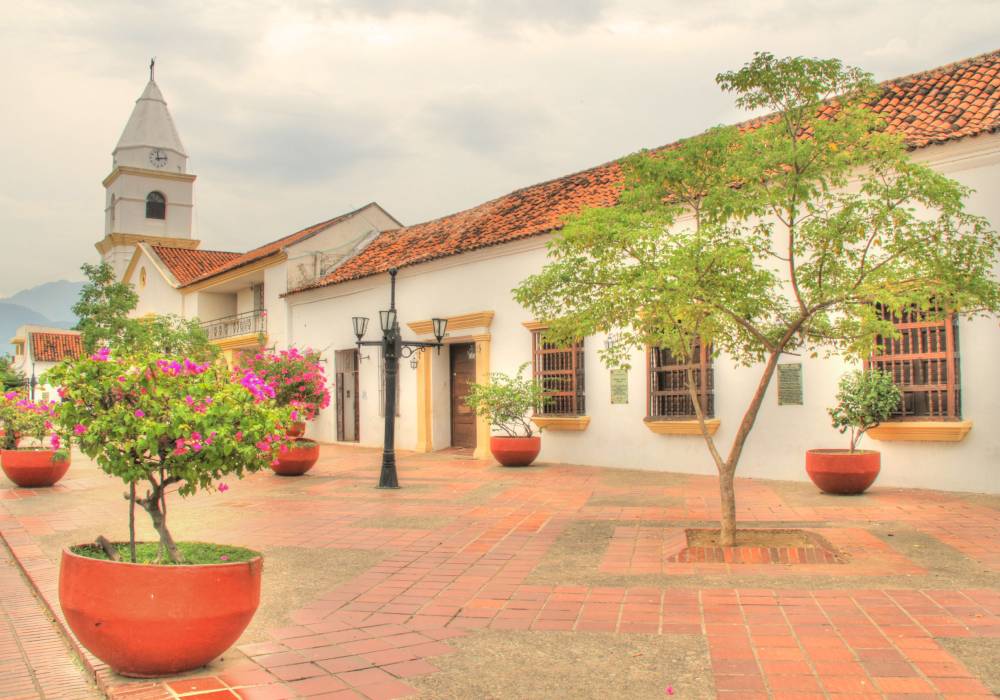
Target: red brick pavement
x=371, y=636
x=35, y=660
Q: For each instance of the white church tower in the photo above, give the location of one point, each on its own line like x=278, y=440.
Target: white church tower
x=149, y=193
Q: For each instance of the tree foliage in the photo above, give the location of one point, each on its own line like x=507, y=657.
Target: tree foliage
x=780, y=236
x=11, y=378
x=103, y=309
x=506, y=401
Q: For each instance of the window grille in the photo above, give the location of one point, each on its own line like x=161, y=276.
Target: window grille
x=559, y=372
x=923, y=362
x=669, y=396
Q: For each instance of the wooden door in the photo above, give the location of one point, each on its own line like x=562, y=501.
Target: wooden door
x=346, y=366
x=463, y=373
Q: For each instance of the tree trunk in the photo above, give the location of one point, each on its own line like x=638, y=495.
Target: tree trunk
x=160, y=525
x=727, y=499
x=131, y=521
x=152, y=505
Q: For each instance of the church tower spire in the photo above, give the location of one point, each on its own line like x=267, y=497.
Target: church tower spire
x=149, y=193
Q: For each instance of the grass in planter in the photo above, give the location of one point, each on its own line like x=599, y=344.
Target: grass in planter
x=191, y=552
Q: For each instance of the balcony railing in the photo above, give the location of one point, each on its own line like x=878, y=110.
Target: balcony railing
x=246, y=323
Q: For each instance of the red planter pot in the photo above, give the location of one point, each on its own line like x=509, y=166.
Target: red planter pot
x=296, y=429
x=299, y=458
x=515, y=451
x=843, y=471
x=147, y=621
x=31, y=468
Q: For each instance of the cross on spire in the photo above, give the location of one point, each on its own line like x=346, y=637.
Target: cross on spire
x=152, y=66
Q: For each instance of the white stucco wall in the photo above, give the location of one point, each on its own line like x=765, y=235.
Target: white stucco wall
x=211, y=306
x=617, y=436
x=157, y=296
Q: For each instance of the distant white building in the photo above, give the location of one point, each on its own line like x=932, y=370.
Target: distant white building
x=38, y=349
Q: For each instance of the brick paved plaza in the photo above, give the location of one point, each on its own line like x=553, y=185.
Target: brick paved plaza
x=555, y=581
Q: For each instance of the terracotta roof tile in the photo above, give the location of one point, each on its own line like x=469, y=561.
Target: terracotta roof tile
x=55, y=347
x=187, y=265
x=239, y=260
x=954, y=101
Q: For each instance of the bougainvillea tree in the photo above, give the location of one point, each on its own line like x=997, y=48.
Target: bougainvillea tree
x=297, y=377
x=20, y=417
x=164, y=421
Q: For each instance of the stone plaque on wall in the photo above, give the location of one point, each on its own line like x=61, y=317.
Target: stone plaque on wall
x=790, y=384
x=619, y=386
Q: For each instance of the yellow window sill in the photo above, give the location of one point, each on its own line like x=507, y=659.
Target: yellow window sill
x=922, y=431
x=561, y=422
x=680, y=427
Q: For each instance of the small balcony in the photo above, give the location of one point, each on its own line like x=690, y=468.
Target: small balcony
x=246, y=323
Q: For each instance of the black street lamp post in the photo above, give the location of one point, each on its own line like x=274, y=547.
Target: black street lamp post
x=33, y=382
x=393, y=347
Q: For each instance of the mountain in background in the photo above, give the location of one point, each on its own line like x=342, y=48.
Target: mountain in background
x=54, y=300
x=47, y=304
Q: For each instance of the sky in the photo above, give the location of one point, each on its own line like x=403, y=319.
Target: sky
x=293, y=112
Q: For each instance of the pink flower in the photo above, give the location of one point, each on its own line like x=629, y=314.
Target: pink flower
x=139, y=413
x=79, y=429
x=223, y=488
x=54, y=440
x=101, y=355
x=670, y=690
x=223, y=557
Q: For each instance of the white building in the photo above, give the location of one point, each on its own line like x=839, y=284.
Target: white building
x=464, y=266
x=149, y=242
x=38, y=349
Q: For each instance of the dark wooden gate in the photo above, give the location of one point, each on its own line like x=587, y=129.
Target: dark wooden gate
x=463, y=373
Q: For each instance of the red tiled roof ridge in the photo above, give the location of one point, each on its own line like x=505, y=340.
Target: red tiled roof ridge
x=276, y=245
x=195, y=250
x=906, y=113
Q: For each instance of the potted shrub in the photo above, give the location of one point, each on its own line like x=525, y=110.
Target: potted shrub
x=45, y=460
x=300, y=384
x=506, y=402
x=864, y=399
x=158, y=608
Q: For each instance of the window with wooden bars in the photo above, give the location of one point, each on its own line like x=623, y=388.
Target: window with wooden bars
x=669, y=396
x=923, y=362
x=559, y=372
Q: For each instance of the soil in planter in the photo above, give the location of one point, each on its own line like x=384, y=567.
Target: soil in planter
x=191, y=552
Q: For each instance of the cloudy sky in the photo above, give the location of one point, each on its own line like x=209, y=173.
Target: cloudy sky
x=293, y=112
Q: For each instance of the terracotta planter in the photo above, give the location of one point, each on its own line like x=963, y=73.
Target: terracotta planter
x=299, y=458
x=296, y=429
x=147, y=621
x=30, y=468
x=515, y=451
x=843, y=471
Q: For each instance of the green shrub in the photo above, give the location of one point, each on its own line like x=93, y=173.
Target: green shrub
x=506, y=400
x=864, y=399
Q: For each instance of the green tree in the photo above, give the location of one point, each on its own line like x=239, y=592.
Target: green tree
x=168, y=334
x=103, y=309
x=784, y=238
x=103, y=312
x=10, y=376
